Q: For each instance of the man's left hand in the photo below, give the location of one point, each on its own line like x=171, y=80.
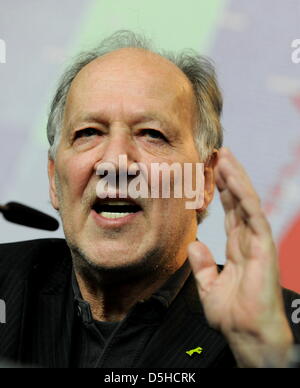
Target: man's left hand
x=245, y=300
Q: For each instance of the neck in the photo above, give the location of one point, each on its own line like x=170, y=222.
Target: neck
x=110, y=299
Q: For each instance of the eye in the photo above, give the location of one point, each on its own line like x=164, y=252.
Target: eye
x=154, y=134
x=87, y=132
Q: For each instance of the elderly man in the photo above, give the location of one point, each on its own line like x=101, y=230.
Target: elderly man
x=121, y=292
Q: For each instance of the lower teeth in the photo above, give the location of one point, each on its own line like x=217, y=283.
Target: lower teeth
x=114, y=215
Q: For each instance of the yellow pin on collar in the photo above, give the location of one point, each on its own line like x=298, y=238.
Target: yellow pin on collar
x=196, y=350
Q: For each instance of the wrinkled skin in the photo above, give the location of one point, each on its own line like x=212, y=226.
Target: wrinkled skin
x=245, y=300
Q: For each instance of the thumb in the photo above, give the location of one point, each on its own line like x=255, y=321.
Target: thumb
x=203, y=266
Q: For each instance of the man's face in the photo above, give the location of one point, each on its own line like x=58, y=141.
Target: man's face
x=134, y=103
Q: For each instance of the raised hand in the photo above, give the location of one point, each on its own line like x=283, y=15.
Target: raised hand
x=245, y=300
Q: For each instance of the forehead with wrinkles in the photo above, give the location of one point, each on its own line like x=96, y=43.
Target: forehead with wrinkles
x=120, y=82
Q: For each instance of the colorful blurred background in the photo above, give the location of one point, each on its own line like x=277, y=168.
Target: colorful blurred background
x=251, y=45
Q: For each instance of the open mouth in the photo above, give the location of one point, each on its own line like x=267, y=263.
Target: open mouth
x=115, y=209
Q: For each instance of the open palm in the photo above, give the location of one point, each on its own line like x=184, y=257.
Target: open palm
x=244, y=301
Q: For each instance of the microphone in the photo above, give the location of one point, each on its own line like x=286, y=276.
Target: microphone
x=24, y=215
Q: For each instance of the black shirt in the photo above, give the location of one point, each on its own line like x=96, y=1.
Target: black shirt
x=120, y=344
x=42, y=327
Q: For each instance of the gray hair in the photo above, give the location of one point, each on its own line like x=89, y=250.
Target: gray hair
x=198, y=69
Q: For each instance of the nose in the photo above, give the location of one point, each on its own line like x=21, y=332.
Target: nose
x=119, y=150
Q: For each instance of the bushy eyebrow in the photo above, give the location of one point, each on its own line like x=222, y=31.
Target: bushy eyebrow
x=79, y=120
x=153, y=117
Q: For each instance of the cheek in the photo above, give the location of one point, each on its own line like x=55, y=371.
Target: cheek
x=169, y=211
x=74, y=175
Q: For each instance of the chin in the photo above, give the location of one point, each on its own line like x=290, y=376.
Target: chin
x=110, y=259
x=111, y=262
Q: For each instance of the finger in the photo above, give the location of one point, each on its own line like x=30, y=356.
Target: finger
x=226, y=154
x=226, y=196
x=229, y=201
x=229, y=171
x=229, y=165
x=249, y=210
x=220, y=182
x=255, y=217
x=240, y=188
x=203, y=266
x=238, y=196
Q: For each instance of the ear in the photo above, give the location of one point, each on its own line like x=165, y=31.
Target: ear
x=209, y=180
x=52, y=183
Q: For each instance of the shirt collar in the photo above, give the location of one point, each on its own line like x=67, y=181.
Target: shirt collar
x=170, y=289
